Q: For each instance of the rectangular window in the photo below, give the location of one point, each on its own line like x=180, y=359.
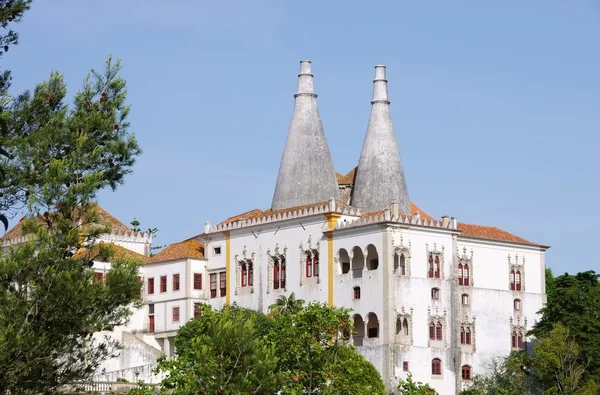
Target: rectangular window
x=151, y=323
x=438, y=332
x=98, y=277
x=217, y=251
x=468, y=337
x=197, y=281
x=223, y=283
x=213, y=285
x=431, y=332
x=163, y=284
x=151, y=286
x=175, y=282
x=175, y=314
x=405, y=366
x=151, y=308
x=282, y=274
x=251, y=274
x=316, y=265
x=356, y=292
x=197, y=310
x=308, y=266
x=244, y=275
x=275, y=276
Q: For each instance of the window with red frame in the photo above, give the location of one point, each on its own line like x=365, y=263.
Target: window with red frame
x=436, y=366
x=175, y=282
x=512, y=280
x=435, y=293
x=466, y=372
x=197, y=281
x=517, y=340
x=465, y=336
x=517, y=304
x=151, y=318
x=244, y=275
x=279, y=273
x=151, y=286
x=213, y=285
x=431, y=331
x=223, y=283
x=436, y=267
x=520, y=341
x=175, y=314
x=518, y=280
x=163, y=284
x=251, y=274
x=316, y=265
x=430, y=267
x=405, y=366
x=460, y=274
x=466, y=275
x=98, y=277
x=438, y=331
x=309, y=266
x=356, y=292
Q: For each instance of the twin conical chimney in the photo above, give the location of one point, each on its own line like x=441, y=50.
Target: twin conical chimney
x=306, y=173
x=380, y=177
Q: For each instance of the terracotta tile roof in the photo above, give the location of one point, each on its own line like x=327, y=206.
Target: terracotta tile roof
x=347, y=179
x=240, y=217
x=116, y=252
x=491, y=233
x=104, y=219
x=186, y=249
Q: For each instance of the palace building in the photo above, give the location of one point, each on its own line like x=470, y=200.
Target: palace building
x=432, y=296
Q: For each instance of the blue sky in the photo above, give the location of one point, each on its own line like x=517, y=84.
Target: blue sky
x=496, y=105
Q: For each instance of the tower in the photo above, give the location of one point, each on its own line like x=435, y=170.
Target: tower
x=380, y=177
x=306, y=173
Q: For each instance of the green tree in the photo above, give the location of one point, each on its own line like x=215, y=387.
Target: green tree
x=221, y=352
x=410, y=387
x=507, y=376
x=558, y=365
x=285, y=305
x=575, y=303
x=550, y=280
x=50, y=307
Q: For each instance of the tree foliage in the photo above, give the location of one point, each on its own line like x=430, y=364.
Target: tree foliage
x=410, y=387
x=287, y=305
x=575, y=303
x=241, y=351
x=50, y=307
x=507, y=376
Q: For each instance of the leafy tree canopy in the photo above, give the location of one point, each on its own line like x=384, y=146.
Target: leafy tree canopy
x=50, y=306
x=575, y=303
x=410, y=387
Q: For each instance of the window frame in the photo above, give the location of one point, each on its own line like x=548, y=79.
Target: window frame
x=163, y=281
x=197, y=281
x=213, y=285
x=466, y=373
x=223, y=284
x=150, y=289
x=176, y=314
x=435, y=293
x=176, y=284
x=464, y=297
x=436, y=367
x=356, y=293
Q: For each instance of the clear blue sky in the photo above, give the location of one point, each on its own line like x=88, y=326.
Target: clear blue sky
x=496, y=104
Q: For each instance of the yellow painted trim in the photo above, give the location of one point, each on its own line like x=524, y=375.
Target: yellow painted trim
x=227, y=267
x=331, y=221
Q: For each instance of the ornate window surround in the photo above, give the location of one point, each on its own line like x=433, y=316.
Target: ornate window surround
x=402, y=315
x=438, y=318
x=399, y=251
x=281, y=258
x=245, y=259
x=516, y=266
x=469, y=324
x=310, y=250
x=520, y=329
x=465, y=259
x=434, y=253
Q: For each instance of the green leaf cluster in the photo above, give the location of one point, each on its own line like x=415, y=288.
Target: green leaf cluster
x=410, y=387
x=295, y=350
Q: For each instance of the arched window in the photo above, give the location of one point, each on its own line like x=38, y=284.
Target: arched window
x=467, y=336
x=309, y=266
x=512, y=280
x=465, y=299
x=437, y=267
x=462, y=335
x=344, y=259
x=250, y=274
x=398, y=326
x=466, y=372
x=431, y=331
x=405, y=327
x=518, y=280
x=517, y=304
x=438, y=331
x=359, y=329
x=466, y=275
x=372, y=257
x=316, y=264
x=430, y=266
x=372, y=325
x=436, y=366
x=402, y=265
x=460, y=274
x=435, y=294
x=519, y=341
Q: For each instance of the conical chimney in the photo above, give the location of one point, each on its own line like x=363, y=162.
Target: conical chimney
x=306, y=173
x=380, y=177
